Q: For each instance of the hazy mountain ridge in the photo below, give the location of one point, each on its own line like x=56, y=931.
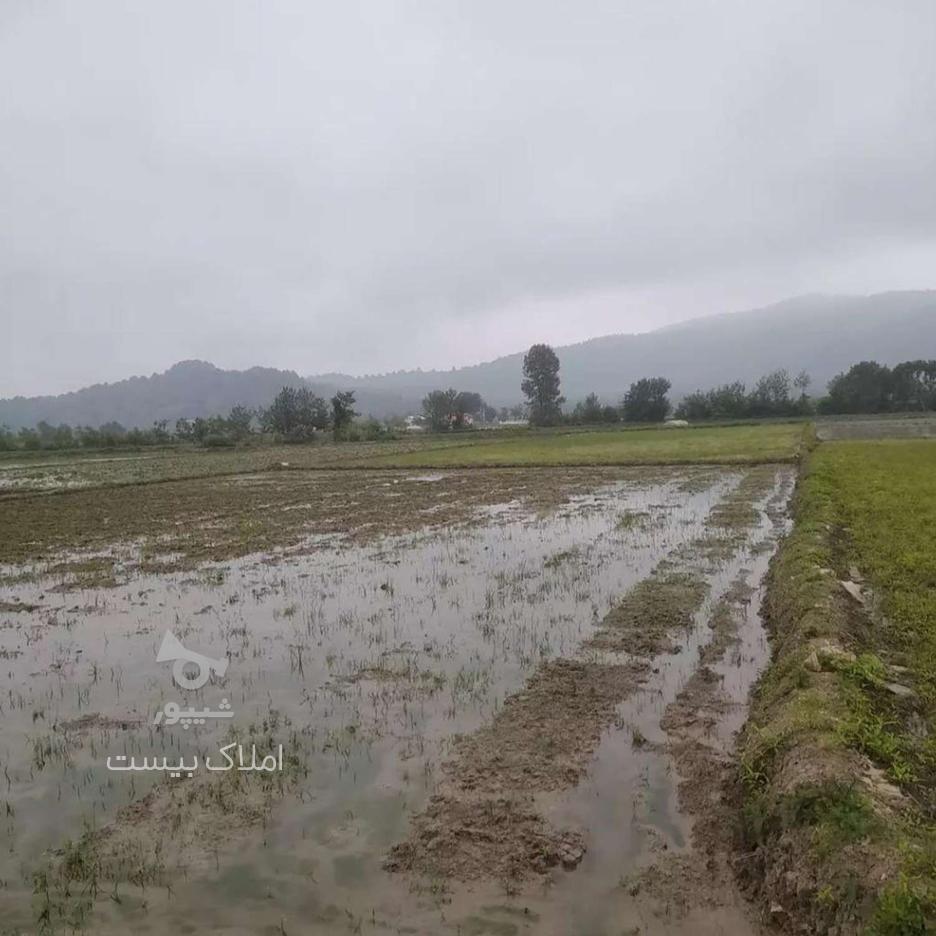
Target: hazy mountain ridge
x=821, y=334
x=187, y=389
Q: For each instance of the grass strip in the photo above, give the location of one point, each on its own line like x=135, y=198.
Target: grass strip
x=838, y=759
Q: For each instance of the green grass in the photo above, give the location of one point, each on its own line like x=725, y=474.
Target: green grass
x=869, y=507
x=885, y=496
x=724, y=445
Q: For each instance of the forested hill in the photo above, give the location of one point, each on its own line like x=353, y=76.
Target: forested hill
x=823, y=335
x=187, y=389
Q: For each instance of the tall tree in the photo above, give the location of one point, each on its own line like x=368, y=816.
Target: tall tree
x=696, y=405
x=439, y=408
x=239, y=421
x=541, y=385
x=771, y=395
x=343, y=411
x=914, y=385
x=589, y=410
x=864, y=388
x=646, y=400
x=295, y=414
x=467, y=403
x=729, y=400
x=802, y=382
x=183, y=429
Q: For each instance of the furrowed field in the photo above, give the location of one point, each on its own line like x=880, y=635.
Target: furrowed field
x=507, y=673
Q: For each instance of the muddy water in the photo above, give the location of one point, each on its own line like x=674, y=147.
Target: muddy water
x=629, y=802
x=365, y=660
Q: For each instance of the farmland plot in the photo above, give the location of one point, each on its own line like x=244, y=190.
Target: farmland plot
x=513, y=720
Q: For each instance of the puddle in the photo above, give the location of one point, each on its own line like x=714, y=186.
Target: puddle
x=368, y=660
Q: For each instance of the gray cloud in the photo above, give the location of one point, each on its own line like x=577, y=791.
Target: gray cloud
x=367, y=186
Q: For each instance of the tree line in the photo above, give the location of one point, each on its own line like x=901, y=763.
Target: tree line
x=451, y=410
x=774, y=394
x=645, y=401
x=299, y=415
x=295, y=415
x=869, y=387
x=866, y=387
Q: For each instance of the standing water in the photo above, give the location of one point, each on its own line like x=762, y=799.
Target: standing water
x=369, y=664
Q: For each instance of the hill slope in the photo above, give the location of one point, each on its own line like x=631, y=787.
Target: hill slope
x=189, y=389
x=821, y=334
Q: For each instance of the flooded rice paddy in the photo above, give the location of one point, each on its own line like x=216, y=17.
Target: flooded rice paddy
x=516, y=722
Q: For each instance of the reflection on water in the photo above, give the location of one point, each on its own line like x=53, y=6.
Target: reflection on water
x=373, y=656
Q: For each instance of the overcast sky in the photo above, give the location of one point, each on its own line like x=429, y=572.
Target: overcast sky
x=371, y=186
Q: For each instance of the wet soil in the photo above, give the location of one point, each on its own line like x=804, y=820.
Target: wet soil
x=106, y=535
x=544, y=738
x=544, y=735
x=462, y=700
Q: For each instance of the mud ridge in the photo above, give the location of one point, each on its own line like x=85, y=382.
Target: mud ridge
x=543, y=739
x=706, y=769
x=701, y=743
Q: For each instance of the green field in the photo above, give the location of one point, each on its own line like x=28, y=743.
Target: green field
x=743, y=444
x=884, y=495
x=748, y=444
x=853, y=681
